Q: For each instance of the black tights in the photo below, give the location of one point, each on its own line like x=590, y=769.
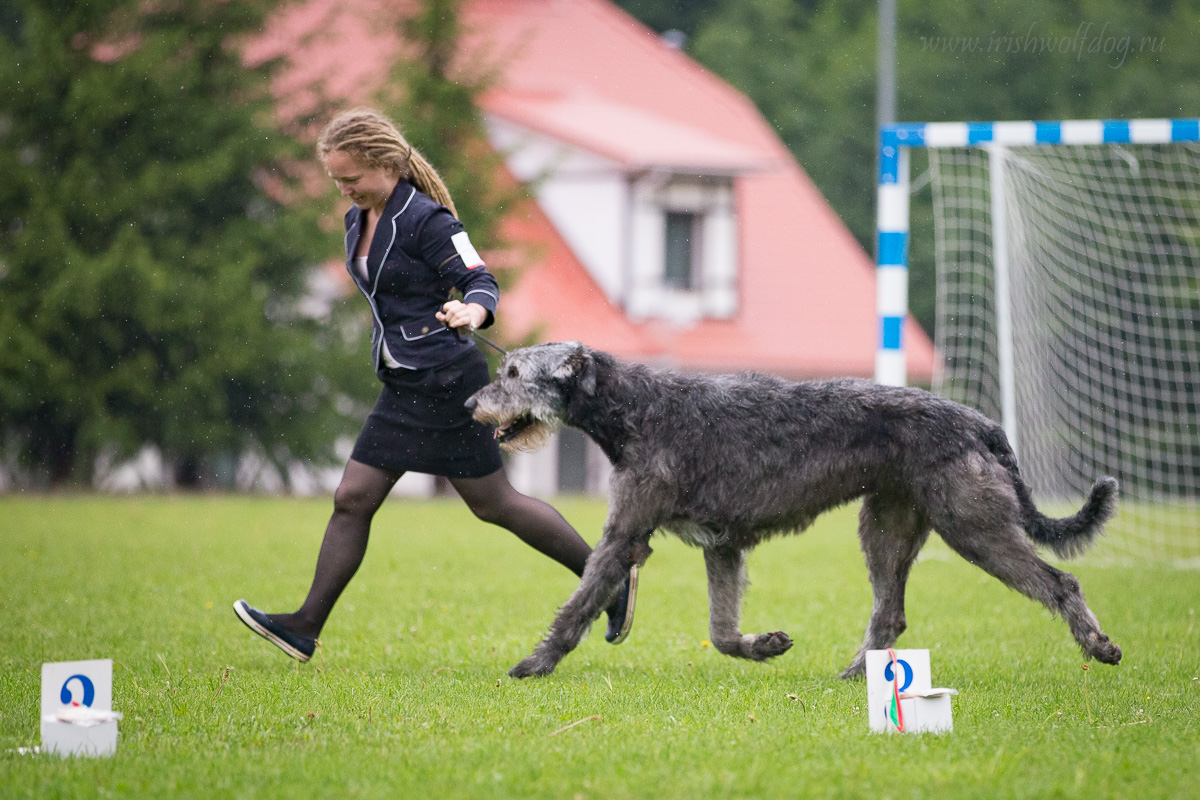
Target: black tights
x=363, y=490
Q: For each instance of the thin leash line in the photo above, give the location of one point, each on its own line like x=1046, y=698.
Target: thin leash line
x=489, y=343
x=480, y=337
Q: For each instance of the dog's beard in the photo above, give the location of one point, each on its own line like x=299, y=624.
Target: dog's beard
x=517, y=431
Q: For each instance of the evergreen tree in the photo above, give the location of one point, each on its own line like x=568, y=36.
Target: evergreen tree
x=148, y=268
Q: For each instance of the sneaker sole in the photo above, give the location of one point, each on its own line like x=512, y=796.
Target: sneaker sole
x=627, y=623
x=253, y=625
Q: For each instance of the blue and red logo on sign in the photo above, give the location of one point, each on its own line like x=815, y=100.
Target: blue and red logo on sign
x=67, y=695
x=891, y=676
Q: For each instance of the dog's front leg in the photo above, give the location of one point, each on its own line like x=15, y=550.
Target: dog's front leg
x=607, y=567
x=726, y=580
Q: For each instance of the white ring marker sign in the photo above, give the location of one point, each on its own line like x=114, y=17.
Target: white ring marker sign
x=77, y=715
x=900, y=694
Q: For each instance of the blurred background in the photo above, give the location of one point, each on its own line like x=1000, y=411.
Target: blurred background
x=652, y=177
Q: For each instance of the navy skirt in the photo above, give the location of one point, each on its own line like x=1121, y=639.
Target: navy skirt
x=419, y=423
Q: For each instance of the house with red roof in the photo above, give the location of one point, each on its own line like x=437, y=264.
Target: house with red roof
x=670, y=223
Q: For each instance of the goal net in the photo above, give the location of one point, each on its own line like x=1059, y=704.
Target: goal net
x=1068, y=307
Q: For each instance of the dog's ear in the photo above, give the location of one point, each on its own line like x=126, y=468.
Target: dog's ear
x=580, y=367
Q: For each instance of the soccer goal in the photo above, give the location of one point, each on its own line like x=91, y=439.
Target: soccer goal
x=1068, y=305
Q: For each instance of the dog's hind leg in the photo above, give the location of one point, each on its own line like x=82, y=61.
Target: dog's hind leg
x=1003, y=551
x=892, y=532
x=726, y=580
x=980, y=518
x=607, y=567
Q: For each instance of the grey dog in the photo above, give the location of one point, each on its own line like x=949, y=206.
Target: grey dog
x=727, y=461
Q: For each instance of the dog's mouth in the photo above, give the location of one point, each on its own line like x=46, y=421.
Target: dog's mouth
x=514, y=428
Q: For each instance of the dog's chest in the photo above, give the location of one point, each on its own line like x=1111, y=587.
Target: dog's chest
x=695, y=534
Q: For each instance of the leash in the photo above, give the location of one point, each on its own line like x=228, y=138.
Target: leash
x=479, y=337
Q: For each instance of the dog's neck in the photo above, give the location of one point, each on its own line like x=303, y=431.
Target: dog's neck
x=603, y=419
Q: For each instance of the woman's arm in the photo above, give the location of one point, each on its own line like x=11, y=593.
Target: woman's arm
x=445, y=245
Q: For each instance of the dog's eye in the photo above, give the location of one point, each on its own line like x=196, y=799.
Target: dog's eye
x=512, y=372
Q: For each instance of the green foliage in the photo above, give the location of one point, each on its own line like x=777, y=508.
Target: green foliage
x=148, y=278
x=663, y=15
x=408, y=697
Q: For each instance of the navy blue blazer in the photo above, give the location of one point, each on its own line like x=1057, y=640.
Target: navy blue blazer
x=418, y=256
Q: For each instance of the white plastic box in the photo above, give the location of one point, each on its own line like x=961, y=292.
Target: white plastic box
x=77, y=715
x=924, y=709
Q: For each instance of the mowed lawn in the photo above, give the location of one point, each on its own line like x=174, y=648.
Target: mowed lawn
x=409, y=696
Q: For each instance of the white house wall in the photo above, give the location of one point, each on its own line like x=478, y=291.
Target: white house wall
x=720, y=266
x=614, y=220
x=647, y=297
x=535, y=473
x=582, y=194
x=653, y=195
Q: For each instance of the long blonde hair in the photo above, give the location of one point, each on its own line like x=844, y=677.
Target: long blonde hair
x=373, y=139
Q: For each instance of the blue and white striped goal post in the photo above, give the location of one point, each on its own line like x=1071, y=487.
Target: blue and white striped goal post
x=893, y=191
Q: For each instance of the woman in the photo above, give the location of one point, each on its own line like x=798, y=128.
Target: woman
x=407, y=251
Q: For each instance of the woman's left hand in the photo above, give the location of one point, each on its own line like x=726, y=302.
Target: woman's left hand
x=456, y=314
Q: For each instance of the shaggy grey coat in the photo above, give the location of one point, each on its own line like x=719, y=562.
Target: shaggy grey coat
x=725, y=462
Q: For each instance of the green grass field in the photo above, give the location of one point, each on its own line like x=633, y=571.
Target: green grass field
x=409, y=696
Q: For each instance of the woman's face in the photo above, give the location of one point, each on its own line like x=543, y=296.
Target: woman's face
x=367, y=187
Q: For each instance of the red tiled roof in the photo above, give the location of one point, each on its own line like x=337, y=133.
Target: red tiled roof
x=634, y=137
x=586, y=73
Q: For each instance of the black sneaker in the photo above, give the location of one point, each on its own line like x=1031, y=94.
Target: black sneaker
x=298, y=647
x=620, y=613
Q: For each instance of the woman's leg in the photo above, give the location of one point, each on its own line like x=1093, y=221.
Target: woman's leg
x=359, y=495
x=493, y=499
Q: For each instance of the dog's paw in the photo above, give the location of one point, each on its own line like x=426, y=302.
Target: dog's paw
x=857, y=669
x=1103, y=650
x=769, y=645
x=530, y=667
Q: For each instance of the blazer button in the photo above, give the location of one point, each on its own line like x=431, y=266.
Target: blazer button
x=425, y=329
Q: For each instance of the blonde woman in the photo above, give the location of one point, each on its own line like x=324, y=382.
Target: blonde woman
x=407, y=251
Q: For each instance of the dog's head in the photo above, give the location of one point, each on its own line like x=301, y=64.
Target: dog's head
x=528, y=399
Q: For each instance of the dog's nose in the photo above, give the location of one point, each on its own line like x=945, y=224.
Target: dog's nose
x=470, y=404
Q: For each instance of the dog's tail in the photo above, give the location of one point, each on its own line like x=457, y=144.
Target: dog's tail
x=1068, y=536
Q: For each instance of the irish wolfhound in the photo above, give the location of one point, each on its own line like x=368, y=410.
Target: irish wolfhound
x=725, y=462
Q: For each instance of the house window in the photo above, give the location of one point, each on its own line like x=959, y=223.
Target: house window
x=682, y=250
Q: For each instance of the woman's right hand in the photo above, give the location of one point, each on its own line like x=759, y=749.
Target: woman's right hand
x=459, y=315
